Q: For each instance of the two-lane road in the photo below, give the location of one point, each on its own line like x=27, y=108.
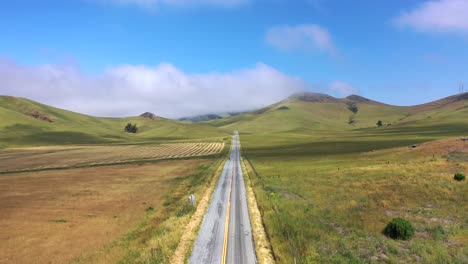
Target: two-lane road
x=225, y=235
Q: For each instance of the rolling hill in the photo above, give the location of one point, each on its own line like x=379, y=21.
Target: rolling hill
x=27, y=123
x=311, y=112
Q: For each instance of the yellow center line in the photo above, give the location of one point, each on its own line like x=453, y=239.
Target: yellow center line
x=226, y=225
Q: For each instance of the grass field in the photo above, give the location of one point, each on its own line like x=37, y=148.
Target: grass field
x=53, y=157
x=326, y=197
x=96, y=215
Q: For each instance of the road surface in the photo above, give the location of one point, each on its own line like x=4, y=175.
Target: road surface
x=225, y=235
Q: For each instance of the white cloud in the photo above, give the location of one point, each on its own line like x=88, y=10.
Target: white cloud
x=437, y=16
x=342, y=89
x=151, y=4
x=164, y=89
x=308, y=37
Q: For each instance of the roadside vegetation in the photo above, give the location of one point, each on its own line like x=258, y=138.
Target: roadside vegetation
x=157, y=238
x=328, y=197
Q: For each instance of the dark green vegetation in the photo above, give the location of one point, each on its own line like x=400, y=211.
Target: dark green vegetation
x=129, y=128
x=399, y=228
x=459, y=176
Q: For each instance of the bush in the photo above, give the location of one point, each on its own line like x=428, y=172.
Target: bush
x=129, y=128
x=459, y=176
x=399, y=228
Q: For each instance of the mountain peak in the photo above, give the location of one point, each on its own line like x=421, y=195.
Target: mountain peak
x=149, y=115
x=360, y=99
x=314, y=97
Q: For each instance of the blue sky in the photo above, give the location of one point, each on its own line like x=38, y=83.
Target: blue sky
x=401, y=52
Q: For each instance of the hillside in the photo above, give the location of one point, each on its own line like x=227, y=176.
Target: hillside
x=24, y=122
x=27, y=123
x=309, y=112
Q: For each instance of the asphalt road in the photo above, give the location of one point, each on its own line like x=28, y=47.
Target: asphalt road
x=225, y=235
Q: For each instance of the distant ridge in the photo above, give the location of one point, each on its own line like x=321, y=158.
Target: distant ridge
x=325, y=98
x=200, y=118
x=360, y=99
x=314, y=97
x=446, y=101
x=149, y=115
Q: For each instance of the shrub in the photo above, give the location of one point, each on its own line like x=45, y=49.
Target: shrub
x=129, y=128
x=459, y=176
x=399, y=228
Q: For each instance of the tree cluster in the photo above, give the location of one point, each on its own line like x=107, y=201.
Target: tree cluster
x=129, y=128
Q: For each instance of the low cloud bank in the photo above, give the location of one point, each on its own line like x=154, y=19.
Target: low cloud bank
x=129, y=90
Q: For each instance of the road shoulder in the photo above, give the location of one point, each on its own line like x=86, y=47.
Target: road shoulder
x=262, y=244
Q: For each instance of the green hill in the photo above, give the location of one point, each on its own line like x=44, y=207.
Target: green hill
x=27, y=123
x=310, y=112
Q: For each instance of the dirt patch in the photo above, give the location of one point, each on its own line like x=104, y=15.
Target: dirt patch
x=56, y=216
x=262, y=245
x=40, y=116
x=190, y=233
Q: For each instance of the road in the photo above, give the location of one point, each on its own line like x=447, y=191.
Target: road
x=225, y=235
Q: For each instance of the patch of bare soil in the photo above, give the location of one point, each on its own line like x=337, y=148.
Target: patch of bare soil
x=40, y=116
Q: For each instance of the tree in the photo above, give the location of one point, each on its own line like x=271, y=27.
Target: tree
x=379, y=123
x=129, y=128
x=134, y=128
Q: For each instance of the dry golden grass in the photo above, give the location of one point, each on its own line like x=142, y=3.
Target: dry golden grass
x=56, y=216
x=37, y=158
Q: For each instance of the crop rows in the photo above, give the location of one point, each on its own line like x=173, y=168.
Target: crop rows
x=61, y=157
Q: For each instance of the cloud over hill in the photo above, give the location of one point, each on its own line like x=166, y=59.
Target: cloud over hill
x=163, y=89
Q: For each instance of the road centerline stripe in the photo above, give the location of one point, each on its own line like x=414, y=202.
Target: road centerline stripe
x=228, y=213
